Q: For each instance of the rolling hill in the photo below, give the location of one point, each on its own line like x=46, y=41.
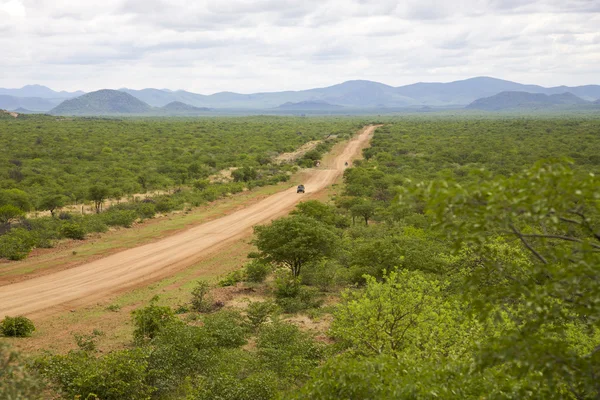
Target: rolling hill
x=309, y=105
x=40, y=91
x=9, y=102
x=356, y=94
x=102, y=102
x=179, y=108
x=364, y=94
x=524, y=100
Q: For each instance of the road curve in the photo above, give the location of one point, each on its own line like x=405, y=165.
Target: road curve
x=87, y=283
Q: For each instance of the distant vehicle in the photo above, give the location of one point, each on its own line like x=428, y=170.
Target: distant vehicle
x=300, y=189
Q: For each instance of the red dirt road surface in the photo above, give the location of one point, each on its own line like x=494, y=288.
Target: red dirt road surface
x=87, y=283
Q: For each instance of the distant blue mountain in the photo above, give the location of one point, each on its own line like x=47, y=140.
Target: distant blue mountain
x=39, y=91
x=352, y=94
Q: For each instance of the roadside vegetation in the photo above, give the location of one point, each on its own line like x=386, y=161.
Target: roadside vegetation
x=459, y=261
x=54, y=165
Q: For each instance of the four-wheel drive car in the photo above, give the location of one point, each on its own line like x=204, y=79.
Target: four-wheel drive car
x=300, y=189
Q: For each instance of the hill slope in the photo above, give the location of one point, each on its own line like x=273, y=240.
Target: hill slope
x=177, y=106
x=40, y=91
x=363, y=94
x=515, y=100
x=309, y=105
x=102, y=102
x=31, y=103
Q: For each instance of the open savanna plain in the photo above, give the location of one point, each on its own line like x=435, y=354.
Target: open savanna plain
x=453, y=257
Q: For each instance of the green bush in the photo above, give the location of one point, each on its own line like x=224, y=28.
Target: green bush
x=259, y=312
x=146, y=210
x=118, y=217
x=115, y=376
x=18, y=382
x=257, y=271
x=16, y=326
x=16, y=244
x=227, y=328
x=201, y=299
x=232, y=278
x=150, y=320
x=73, y=231
x=224, y=386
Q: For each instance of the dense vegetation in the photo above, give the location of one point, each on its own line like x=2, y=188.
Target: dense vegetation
x=49, y=163
x=465, y=254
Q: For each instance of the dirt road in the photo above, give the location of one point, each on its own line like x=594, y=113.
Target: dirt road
x=90, y=282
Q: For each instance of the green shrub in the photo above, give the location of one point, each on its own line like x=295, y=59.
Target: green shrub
x=146, y=210
x=224, y=386
x=232, y=278
x=73, y=231
x=201, y=299
x=16, y=380
x=257, y=271
x=117, y=217
x=227, y=328
x=259, y=312
x=16, y=244
x=287, y=351
x=16, y=326
x=150, y=320
x=165, y=205
x=115, y=376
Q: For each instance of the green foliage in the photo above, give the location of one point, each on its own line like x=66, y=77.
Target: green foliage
x=16, y=244
x=117, y=375
x=406, y=313
x=292, y=297
x=257, y=271
x=150, y=320
x=232, y=278
x=201, y=299
x=9, y=212
x=51, y=203
x=227, y=328
x=259, y=312
x=17, y=381
x=16, y=326
x=73, y=231
x=550, y=287
x=294, y=241
x=287, y=351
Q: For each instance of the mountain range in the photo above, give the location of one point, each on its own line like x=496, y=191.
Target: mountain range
x=350, y=95
x=526, y=101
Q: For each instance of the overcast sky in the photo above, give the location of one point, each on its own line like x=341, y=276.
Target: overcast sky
x=271, y=45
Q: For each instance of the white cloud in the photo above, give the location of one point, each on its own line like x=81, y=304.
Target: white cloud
x=265, y=45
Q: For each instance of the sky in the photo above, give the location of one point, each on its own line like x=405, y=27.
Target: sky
x=272, y=45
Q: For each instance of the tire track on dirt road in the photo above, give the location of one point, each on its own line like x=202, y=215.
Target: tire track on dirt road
x=88, y=283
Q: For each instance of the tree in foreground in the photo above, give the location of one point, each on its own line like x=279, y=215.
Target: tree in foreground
x=294, y=241
x=531, y=255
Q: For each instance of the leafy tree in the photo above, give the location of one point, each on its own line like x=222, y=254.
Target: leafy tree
x=552, y=298
x=407, y=313
x=51, y=203
x=15, y=197
x=365, y=210
x=294, y=241
x=9, y=212
x=98, y=195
